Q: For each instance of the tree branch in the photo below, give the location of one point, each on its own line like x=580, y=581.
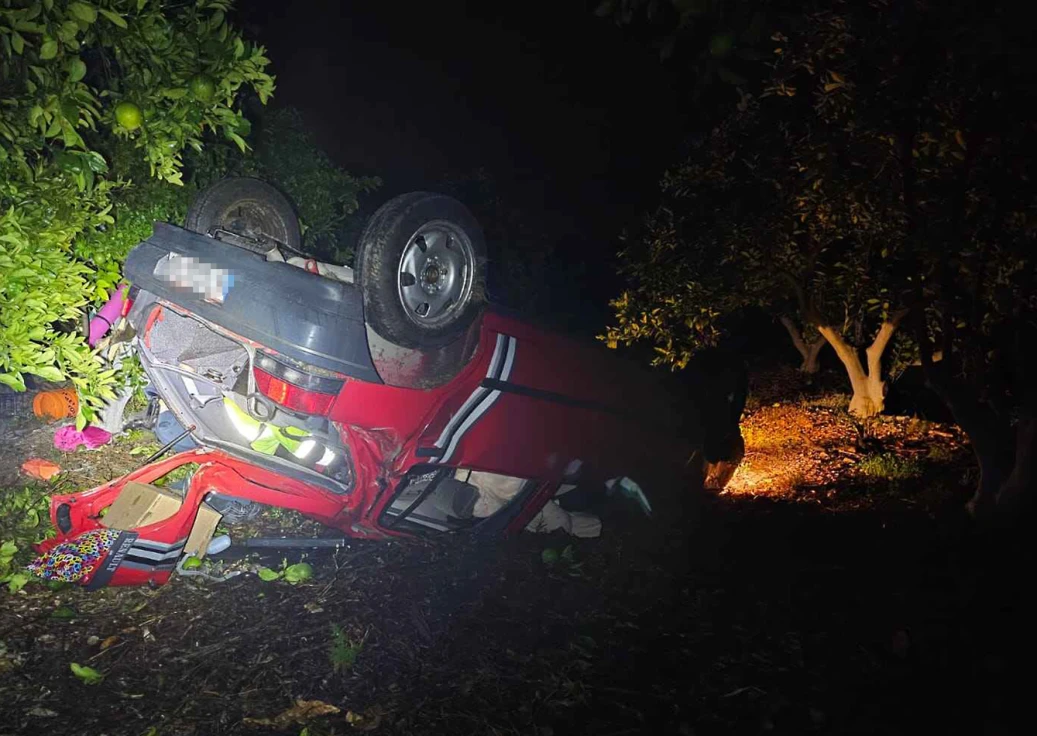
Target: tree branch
x=846, y=352
x=878, y=345
x=796, y=335
x=806, y=309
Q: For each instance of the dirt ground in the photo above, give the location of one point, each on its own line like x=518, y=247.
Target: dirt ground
x=836, y=588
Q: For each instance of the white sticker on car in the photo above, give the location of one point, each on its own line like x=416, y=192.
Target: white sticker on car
x=201, y=278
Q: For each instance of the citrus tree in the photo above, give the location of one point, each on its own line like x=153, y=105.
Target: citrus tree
x=968, y=145
x=80, y=82
x=791, y=202
x=879, y=177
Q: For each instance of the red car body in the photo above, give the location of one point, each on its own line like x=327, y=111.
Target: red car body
x=520, y=402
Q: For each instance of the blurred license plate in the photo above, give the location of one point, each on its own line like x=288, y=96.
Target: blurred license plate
x=196, y=276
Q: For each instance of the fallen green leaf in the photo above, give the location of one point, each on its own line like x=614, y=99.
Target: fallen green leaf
x=267, y=575
x=88, y=675
x=298, y=572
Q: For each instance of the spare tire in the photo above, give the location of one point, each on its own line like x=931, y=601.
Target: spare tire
x=245, y=212
x=422, y=269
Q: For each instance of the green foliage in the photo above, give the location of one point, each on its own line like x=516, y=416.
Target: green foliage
x=268, y=576
x=65, y=68
x=23, y=516
x=890, y=466
x=850, y=185
x=180, y=476
x=300, y=572
x=86, y=675
x=788, y=203
x=717, y=41
x=134, y=211
x=343, y=649
x=563, y=562
x=324, y=194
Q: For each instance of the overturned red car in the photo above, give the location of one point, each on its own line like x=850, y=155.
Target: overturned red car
x=386, y=401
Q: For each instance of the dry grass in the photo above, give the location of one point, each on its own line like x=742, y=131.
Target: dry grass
x=812, y=450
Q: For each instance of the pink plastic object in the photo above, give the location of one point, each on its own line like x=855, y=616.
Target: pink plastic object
x=69, y=438
x=107, y=317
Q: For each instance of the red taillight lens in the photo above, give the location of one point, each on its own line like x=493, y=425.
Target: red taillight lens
x=295, y=385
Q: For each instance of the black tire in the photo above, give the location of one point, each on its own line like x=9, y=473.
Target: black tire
x=259, y=215
x=452, y=275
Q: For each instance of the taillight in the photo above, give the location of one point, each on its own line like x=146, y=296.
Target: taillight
x=296, y=385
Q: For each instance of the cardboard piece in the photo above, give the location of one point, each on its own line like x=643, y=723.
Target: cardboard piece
x=140, y=504
x=201, y=533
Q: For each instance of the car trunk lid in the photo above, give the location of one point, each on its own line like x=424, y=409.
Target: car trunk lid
x=311, y=319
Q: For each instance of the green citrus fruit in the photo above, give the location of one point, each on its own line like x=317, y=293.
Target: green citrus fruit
x=201, y=88
x=128, y=115
x=192, y=563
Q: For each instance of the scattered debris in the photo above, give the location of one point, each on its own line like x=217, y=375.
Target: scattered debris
x=69, y=438
x=58, y=404
x=301, y=713
x=41, y=469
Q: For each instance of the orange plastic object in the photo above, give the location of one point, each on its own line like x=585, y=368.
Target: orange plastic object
x=37, y=467
x=56, y=404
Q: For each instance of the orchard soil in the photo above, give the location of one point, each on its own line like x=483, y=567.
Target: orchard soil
x=837, y=587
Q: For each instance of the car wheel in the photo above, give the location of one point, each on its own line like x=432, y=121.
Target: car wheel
x=421, y=262
x=248, y=213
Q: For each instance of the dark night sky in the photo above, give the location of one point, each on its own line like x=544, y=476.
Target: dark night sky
x=573, y=121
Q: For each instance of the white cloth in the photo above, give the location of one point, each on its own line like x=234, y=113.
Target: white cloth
x=330, y=270
x=495, y=491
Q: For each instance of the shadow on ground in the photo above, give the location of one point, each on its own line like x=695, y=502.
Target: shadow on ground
x=746, y=616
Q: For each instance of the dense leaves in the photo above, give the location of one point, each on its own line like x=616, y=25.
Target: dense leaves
x=77, y=79
x=834, y=189
x=785, y=203
x=325, y=195
x=879, y=172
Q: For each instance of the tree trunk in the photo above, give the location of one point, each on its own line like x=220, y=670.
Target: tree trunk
x=810, y=364
x=869, y=391
x=989, y=436
x=1006, y=478
x=869, y=388
x=1018, y=488
x=808, y=351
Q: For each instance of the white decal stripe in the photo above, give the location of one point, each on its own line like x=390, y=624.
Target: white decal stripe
x=130, y=564
x=476, y=396
x=158, y=546
x=485, y=405
x=148, y=554
x=494, y=367
x=482, y=409
x=510, y=360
